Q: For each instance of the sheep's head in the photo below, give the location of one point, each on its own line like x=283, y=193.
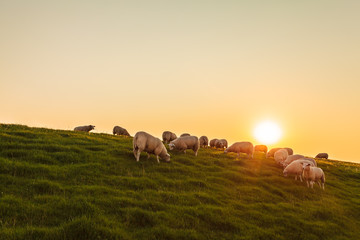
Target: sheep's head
x=92, y=127
x=306, y=166
x=285, y=172
x=167, y=157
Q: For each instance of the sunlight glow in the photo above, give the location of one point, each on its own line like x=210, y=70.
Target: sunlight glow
x=267, y=132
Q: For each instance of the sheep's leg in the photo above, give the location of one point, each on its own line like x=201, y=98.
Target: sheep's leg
x=307, y=183
x=295, y=177
x=148, y=156
x=300, y=178
x=157, y=158
x=312, y=184
x=185, y=151
x=196, y=152
x=138, y=155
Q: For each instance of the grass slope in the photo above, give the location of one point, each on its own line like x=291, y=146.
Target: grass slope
x=66, y=185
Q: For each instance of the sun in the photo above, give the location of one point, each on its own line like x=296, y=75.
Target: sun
x=267, y=132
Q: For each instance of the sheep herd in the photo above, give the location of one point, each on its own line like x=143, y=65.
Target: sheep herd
x=297, y=165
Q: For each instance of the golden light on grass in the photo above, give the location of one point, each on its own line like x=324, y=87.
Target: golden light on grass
x=267, y=132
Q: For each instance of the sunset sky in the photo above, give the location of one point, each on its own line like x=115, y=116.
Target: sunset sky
x=215, y=68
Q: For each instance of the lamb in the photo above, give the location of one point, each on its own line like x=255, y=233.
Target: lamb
x=221, y=143
x=168, y=136
x=144, y=142
x=185, y=135
x=241, y=147
x=120, y=131
x=260, y=148
x=204, y=141
x=187, y=142
x=272, y=152
x=292, y=158
x=313, y=174
x=296, y=168
x=87, y=128
x=322, y=155
x=213, y=142
x=280, y=156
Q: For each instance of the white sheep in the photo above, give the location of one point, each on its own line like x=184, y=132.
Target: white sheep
x=144, y=142
x=241, y=147
x=296, y=168
x=313, y=174
x=281, y=155
x=87, y=128
x=187, y=142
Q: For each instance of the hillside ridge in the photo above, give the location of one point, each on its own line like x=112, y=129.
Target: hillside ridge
x=58, y=184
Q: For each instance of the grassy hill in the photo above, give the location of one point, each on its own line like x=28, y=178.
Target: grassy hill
x=66, y=185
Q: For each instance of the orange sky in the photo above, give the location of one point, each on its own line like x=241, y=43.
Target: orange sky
x=216, y=68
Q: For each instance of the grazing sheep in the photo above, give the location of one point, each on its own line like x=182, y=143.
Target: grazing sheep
x=260, y=148
x=120, y=131
x=213, y=142
x=224, y=143
x=296, y=168
x=221, y=143
x=241, y=147
x=292, y=158
x=185, y=135
x=204, y=141
x=272, y=152
x=87, y=128
x=183, y=143
x=322, y=155
x=144, y=142
x=290, y=151
x=168, y=136
x=313, y=174
x=280, y=156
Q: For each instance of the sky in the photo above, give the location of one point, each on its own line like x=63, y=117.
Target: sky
x=214, y=68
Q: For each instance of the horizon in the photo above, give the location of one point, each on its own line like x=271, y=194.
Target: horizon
x=159, y=135
x=208, y=68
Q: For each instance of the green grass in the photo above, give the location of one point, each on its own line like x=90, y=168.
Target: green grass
x=70, y=185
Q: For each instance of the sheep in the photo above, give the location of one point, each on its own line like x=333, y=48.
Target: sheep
x=221, y=143
x=213, y=142
x=168, y=136
x=295, y=168
x=120, y=131
x=204, y=141
x=272, y=152
x=224, y=143
x=185, y=135
x=87, y=128
x=280, y=156
x=313, y=174
x=241, y=147
x=290, y=151
x=322, y=155
x=144, y=142
x=260, y=148
x=292, y=158
x=187, y=142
